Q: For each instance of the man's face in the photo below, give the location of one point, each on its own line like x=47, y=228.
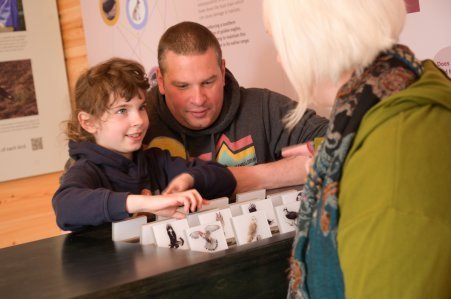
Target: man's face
x=194, y=88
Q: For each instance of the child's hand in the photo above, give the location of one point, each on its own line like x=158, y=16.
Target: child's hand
x=180, y=183
x=167, y=205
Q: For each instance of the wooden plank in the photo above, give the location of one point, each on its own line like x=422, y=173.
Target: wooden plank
x=26, y=212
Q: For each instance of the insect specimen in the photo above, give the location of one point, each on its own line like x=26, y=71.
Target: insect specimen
x=174, y=243
x=252, y=230
x=291, y=215
x=220, y=218
x=300, y=196
x=137, y=11
x=210, y=243
x=252, y=208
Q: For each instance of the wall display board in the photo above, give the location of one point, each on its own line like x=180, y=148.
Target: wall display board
x=132, y=28
x=427, y=31
x=34, y=94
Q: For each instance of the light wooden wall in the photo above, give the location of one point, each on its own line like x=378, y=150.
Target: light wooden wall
x=26, y=212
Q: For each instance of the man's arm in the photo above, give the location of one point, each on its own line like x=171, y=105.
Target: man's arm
x=309, y=127
x=282, y=173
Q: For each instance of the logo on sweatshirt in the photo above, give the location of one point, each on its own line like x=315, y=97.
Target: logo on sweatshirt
x=229, y=153
x=172, y=145
x=238, y=153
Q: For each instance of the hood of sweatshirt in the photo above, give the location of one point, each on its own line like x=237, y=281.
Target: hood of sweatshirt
x=98, y=155
x=124, y=173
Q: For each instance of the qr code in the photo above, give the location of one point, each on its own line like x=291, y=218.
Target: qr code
x=36, y=144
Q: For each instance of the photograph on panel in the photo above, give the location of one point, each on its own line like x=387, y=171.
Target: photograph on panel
x=287, y=216
x=137, y=13
x=147, y=233
x=172, y=234
x=207, y=237
x=261, y=205
x=17, y=91
x=11, y=16
x=251, y=227
x=110, y=11
x=223, y=216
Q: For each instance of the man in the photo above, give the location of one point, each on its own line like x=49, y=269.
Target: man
x=199, y=110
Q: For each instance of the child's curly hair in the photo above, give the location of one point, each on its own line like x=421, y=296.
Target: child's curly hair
x=115, y=77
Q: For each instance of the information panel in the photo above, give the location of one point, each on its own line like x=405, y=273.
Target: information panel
x=34, y=94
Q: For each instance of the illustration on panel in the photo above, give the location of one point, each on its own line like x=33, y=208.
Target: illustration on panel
x=17, y=91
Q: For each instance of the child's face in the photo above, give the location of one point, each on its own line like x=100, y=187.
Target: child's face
x=121, y=128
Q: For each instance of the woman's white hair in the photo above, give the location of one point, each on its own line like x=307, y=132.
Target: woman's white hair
x=319, y=40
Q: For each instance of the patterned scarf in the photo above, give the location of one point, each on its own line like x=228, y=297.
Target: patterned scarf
x=315, y=268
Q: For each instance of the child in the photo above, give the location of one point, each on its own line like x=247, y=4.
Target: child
x=113, y=177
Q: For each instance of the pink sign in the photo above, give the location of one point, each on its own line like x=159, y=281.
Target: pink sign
x=443, y=60
x=412, y=6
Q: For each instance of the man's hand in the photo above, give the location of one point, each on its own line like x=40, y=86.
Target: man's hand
x=278, y=174
x=305, y=149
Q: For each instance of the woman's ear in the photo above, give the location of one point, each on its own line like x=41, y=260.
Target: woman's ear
x=87, y=122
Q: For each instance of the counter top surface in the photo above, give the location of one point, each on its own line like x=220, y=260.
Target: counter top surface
x=90, y=264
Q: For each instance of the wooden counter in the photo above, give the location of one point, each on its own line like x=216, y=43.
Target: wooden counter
x=90, y=264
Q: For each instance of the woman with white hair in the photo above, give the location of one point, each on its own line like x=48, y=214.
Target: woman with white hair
x=375, y=219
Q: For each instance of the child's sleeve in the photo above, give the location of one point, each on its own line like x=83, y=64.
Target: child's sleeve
x=211, y=179
x=84, y=200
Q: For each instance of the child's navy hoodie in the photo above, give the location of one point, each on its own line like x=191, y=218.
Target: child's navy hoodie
x=94, y=190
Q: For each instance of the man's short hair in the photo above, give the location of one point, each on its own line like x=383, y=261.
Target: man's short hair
x=187, y=38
